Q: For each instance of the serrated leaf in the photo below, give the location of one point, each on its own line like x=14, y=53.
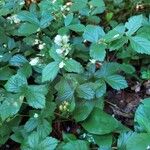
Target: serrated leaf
x=35, y=95
x=15, y=83
x=10, y=106
x=27, y=29
x=34, y=141
x=77, y=27
x=140, y=45
x=142, y=116
x=18, y=60
x=45, y=20
x=50, y=71
x=116, y=82
x=134, y=24
x=68, y=19
x=28, y=16
x=65, y=89
x=93, y=33
x=131, y=141
x=86, y=91
x=97, y=51
x=72, y=65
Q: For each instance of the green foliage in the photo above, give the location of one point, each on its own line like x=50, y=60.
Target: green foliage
x=58, y=60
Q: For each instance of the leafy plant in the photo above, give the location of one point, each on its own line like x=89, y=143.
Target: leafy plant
x=58, y=60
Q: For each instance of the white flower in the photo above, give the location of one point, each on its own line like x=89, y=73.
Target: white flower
x=58, y=40
x=66, y=52
x=36, y=115
x=41, y=46
x=53, y=1
x=61, y=65
x=4, y=45
x=36, y=41
x=34, y=61
x=15, y=104
x=65, y=39
x=1, y=56
x=148, y=147
x=59, y=51
x=22, y=3
x=15, y=19
x=115, y=36
x=93, y=61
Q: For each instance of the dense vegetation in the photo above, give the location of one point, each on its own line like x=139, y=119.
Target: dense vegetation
x=74, y=74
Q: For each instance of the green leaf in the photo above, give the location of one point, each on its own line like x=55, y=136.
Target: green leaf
x=34, y=141
x=35, y=95
x=116, y=82
x=45, y=20
x=72, y=65
x=28, y=16
x=86, y=91
x=134, y=24
x=78, y=5
x=76, y=145
x=140, y=45
x=77, y=27
x=131, y=141
x=27, y=29
x=5, y=73
x=65, y=89
x=10, y=106
x=50, y=72
x=146, y=74
x=82, y=110
x=103, y=140
x=101, y=90
x=15, y=83
x=68, y=19
x=97, y=52
x=93, y=33
x=127, y=68
x=142, y=116
x=18, y=60
x=100, y=123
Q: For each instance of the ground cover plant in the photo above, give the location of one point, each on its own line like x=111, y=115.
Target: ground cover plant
x=74, y=74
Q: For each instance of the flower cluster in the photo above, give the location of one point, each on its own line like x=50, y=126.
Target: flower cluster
x=13, y=19
x=64, y=107
x=63, y=45
x=40, y=44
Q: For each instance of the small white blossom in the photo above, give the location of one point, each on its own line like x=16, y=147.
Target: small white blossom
x=66, y=52
x=53, y=1
x=36, y=41
x=15, y=19
x=22, y=3
x=1, y=56
x=93, y=61
x=4, y=45
x=41, y=46
x=61, y=65
x=58, y=40
x=34, y=61
x=65, y=39
x=36, y=115
x=59, y=51
x=115, y=36
x=38, y=29
x=148, y=147
x=15, y=104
